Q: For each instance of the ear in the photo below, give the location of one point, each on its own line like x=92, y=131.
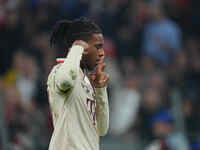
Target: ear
x=86, y=51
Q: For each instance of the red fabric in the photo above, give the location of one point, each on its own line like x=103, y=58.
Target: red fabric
x=59, y=61
x=163, y=145
x=50, y=121
x=181, y=3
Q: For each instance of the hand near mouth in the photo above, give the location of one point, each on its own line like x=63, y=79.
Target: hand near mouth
x=99, y=79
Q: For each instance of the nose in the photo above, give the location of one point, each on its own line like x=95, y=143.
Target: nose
x=101, y=55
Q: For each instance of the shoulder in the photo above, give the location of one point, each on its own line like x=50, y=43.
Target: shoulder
x=52, y=74
x=172, y=26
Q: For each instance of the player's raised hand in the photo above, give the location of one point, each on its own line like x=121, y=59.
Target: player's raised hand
x=99, y=79
x=83, y=44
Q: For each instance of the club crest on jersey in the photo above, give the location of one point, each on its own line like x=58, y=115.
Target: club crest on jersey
x=91, y=107
x=88, y=89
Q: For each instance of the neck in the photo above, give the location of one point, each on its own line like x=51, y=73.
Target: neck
x=83, y=67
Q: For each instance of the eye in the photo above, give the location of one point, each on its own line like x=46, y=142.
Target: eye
x=98, y=46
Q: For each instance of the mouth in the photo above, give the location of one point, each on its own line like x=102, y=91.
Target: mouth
x=97, y=62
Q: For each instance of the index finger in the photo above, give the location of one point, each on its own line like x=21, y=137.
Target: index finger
x=101, y=67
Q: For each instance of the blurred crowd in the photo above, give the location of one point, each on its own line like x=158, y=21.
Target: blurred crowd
x=153, y=58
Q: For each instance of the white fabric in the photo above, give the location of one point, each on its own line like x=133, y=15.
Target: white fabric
x=79, y=116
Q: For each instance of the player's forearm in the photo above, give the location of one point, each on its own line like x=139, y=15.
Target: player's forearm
x=68, y=71
x=102, y=111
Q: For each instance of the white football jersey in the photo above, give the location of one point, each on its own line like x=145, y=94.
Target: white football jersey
x=80, y=113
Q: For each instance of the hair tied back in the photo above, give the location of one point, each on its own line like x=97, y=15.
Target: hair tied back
x=60, y=29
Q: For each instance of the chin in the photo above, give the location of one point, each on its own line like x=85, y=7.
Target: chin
x=92, y=68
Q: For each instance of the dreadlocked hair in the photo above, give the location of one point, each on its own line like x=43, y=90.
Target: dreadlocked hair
x=65, y=32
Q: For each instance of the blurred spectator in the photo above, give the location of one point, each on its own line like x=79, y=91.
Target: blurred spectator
x=177, y=69
x=125, y=104
x=167, y=135
x=23, y=76
x=111, y=13
x=148, y=65
x=191, y=107
x=18, y=63
x=162, y=37
x=191, y=78
x=26, y=83
x=151, y=104
x=11, y=38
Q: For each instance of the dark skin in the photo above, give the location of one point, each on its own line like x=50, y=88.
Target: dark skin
x=93, y=56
